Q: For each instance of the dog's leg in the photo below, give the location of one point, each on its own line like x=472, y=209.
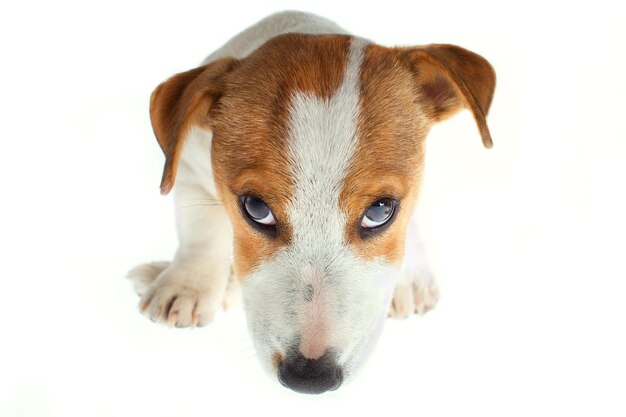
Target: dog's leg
x=416, y=291
x=189, y=290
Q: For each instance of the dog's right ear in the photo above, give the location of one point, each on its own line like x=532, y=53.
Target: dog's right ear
x=450, y=78
x=181, y=102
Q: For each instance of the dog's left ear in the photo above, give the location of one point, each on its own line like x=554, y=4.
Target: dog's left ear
x=183, y=101
x=450, y=78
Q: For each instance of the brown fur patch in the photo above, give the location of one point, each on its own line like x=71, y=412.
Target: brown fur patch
x=389, y=156
x=450, y=78
x=249, y=125
x=404, y=91
x=245, y=103
x=180, y=102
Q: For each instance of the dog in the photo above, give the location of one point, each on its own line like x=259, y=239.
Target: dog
x=295, y=154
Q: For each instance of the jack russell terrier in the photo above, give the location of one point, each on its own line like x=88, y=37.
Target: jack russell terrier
x=295, y=153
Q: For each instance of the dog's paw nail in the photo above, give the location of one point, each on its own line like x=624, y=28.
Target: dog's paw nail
x=143, y=305
x=172, y=319
x=417, y=293
x=180, y=297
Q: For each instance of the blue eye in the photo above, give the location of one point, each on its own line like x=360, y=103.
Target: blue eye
x=379, y=213
x=258, y=211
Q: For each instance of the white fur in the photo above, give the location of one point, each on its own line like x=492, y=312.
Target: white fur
x=250, y=39
x=347, y=297
x=190, y=290
x=197, y=277
x=416, y=291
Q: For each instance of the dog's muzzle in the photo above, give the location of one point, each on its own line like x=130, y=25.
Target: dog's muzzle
x=310, y=376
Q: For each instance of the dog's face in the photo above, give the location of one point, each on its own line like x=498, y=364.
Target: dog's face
x=317, y=156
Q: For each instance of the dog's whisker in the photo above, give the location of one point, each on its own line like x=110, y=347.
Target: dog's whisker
x=202, y=199
x=247, y=349
x=248, y=352
x=198, y=205
x=253, y=357
x=245, y=341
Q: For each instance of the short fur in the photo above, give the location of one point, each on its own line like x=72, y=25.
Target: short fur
x=320, y=125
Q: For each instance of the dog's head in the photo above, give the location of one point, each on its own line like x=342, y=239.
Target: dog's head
x=317, y=153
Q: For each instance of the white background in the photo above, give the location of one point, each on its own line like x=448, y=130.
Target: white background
x=526, y=239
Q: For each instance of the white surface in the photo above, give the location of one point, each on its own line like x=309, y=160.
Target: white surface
x=527, y=239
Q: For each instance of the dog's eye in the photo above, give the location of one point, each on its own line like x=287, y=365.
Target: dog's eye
x=379, y=213
x=258, y=211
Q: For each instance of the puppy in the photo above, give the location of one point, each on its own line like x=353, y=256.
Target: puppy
x=295, y=155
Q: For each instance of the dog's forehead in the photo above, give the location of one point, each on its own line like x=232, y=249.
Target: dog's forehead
x=283, y=83
x=295, y=62
x=319, y=130
x=251, y=124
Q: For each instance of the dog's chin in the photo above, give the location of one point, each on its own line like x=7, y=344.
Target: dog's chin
x=314, y=326
x=336, y=366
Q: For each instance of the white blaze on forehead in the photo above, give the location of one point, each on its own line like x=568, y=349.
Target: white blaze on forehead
x=317, y=291
x=322, y=140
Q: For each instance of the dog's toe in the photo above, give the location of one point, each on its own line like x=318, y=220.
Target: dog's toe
x=416, y=293
x=425, y=296
x=204, y=312
x=182, y=298
x=181, y=313
x=402, y=305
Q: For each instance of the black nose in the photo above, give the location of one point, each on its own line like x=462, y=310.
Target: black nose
x=310, y=376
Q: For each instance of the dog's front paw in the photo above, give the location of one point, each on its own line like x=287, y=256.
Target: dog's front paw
x=416, y=292
x=180, y=296
x=144, y=275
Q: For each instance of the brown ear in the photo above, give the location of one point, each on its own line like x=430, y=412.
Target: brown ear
x=181, y=102
x=451, y=78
